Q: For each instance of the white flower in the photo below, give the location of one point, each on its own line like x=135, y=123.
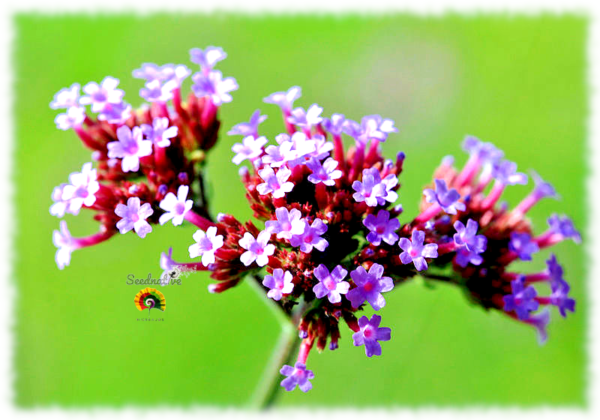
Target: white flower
x=175, y=206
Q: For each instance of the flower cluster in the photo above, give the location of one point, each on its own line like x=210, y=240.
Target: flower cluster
x=328, y=239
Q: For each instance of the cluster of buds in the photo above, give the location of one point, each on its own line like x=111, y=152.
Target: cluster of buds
x=328, y=240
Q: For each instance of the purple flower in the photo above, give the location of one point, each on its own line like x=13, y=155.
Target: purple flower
x=522, y=245
x=555, y=270
x=280, y=284
x=540, y=322
x=66, y=97
x=560, y=297
x=155, y=91
x=464, y=257
x=331, y=284
x=279, y=155
x=214, y=86
x=175, y=206
x=74, y=117
x=151, y=71
x=381, y=228
x=446, y=199
x=326, y=173
x=486, y=153
x=302, y=149
x=369, y=287
x=415, y=251
x=160, y=132
x=370, y=334
x=249, y=128
x=335, y=125
x=130, y=147
x=373, y=190
x=542, y=188
x=522, y=300
x=99, y=95
x=297, y=375
x=285, y=100
x=311, y=237
x=82, y=189
x=207, y=58
x=206, y=245
x=133, y=216
x=467, y=236
x=275, y=183
x=288, y=223
x=322, y=147
x=115, y=113
x=506, y=173
x=565, y=227
x=63, y=240
x=375, y=127
x=258, y=249
x=60, y=205
x=308, y=118
x=250, y=148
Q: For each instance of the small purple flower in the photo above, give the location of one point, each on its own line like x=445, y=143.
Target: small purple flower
x=288, y=223
x=373, y=190
x=74, y=117
x=159, y=132
x=486, y=153
x=565, y=227
x=250, y=148
x=331, y=284
x=540, y=322
x=506, y=172
x=297, y=375
x=175, y=206
x=542, y=188
x=446, y=199
x=206, y=245
x=522, y=300
x=560, y=298
x=60, y=205
x=82, y=189
x=207, y=58
x=63, y=240
x=370, y=334
x=369, y=286
x=311, y=237
x=279, y=155
x=381, y=228
x=275, y=183
x=150, y=71
x=280, y=284
x=249, y=128
x=115, y=113
x=258, y=249
x=415, y=251
x=335, y=125
x=467, y=237
x=464, y=257
x=214, y=86
x=155, y=91
x=555, y=270
x=285, y=100
x=326, y=173
x=99, y=95
x=375, y=127
x=322, y=147
x=130, y=147
x=133, y=216
x=306, y=119
x=66, y=97
x=522, y=245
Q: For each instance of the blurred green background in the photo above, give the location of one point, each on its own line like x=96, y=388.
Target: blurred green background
x=519, y=82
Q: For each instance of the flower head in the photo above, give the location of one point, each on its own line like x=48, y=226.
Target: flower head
x=249, y=128
x=280, y=283
x=130, y=147
x=206, y=245
x=207, y=58
x=370, y=334
x=175, y=206
x=522, y=300
x=159, y=132
x=311, y=237
x=381, y=228
x=373, y=190
x=565, y=227
x=275, y=183
x=369, y=286
x=297, y=376
x=446, y=199
x=325, y=173
x=258, y=249
x=331, y=284
x=555, y=270
x=133, y=216
x=250, y=148
x=287, y=224
x=98, y=95
x=542, y=188
x=506, y=172
x=522, y=245
x=214, y=86
x=467, y=236
x=335, y=125
x=560, y=297
x=285, y=100
x=415, y=251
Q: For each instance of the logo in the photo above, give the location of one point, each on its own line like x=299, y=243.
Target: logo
x=149, y=298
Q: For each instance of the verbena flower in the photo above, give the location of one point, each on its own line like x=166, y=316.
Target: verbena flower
x=369, y=287
x=258, y=249
x=176, y=206
x=331, y=284
x=130, y=148
x=370, y=334
x=133, y=216
x=279, y=283
x=381, y=227
x=415, y=251
x=297, y=376
x=206, y=245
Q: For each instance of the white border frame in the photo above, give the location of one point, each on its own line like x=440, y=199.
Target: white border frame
x=418, y=7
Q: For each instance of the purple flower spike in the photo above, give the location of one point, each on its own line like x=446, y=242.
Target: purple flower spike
x=369, y=287
x=370, y=334
x=540, y=322
x=331, y=284
x=297, y=375
x=415, y=251
x=506, y=173
x=208, y=58
x=381, y=228
x=206, y=245
x=467, y=236
x=565, y=227
x=464, y=257
x=288, y=223
x=446, y=199
x=326, y=173
x=159, y=132
x=214, y=86
x=522, y=245
x=130, y=147
x=280, y=284
x=250, y=148
x=522, y=300
x=285, y=100
x=74, y=117
x=175, y=206
x=258, y=249
x=249, y=128
x=335, y=125
x=66, y=98
x=560, y=298
x=311, y=237
x=275, y=183
x=308, y=118
x=99, y=95
x=133, y=216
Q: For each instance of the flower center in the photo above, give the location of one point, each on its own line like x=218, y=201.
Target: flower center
x=380, y=229
x=368, y=286
x=82, y=192
x=308, y=239
x=135, y=217
x=180, y=208
x=413, y=252
x=369, y=333
x=330, y=284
